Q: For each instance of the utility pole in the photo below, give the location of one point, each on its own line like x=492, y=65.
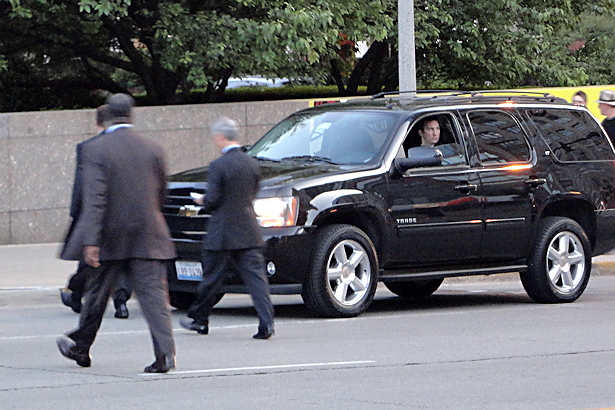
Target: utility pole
x=406, y=46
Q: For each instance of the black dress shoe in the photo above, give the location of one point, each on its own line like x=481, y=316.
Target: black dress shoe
x=76, y=305
x=200, y=328
x=68, y=299
x=264, y=333
x=69, y=350
x=121, y=311
x=161, y=365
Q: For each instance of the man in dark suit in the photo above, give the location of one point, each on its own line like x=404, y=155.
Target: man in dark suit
x=71, y=295
x=233, y=241
x=122, y=229
x=606, y=104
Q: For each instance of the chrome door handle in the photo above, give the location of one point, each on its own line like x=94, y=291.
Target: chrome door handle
x=535, y=182
x=466, y=188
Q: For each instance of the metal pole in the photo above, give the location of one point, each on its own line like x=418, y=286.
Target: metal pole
x=405, y=49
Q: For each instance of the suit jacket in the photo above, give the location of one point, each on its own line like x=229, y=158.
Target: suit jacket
x=76, y=196
x=232, y=185
x=124, y=188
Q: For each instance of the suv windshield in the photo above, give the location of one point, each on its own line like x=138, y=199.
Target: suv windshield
x=341, y=137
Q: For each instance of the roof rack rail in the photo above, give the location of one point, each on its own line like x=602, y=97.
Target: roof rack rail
x=385, y=93
x=505, y=92
x=457, y=93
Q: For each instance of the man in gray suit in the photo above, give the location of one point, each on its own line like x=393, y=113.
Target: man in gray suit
x=122, y=229
x=233, y=241
x=71, y=295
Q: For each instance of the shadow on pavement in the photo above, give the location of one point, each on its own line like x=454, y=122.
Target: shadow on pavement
x=297, y=310
x=447, y=301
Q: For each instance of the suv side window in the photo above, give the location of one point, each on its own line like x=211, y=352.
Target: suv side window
x=572, y=135
x=499, y=137
x=453, y=152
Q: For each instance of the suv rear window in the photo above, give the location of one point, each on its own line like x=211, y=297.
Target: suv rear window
x=572, y=135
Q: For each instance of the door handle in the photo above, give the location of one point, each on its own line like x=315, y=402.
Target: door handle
x=466, y=188
x=535, y=182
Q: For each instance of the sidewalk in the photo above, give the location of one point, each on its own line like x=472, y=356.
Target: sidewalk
x=37, y=266
x=33, y=266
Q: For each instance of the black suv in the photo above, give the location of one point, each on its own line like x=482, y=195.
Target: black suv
x=349, y=197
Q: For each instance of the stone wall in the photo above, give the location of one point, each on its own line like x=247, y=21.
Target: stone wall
x=37, y=155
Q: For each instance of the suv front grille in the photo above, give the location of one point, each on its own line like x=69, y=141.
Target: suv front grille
x=183, y=216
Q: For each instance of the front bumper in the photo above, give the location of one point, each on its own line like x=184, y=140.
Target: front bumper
x=289, y=249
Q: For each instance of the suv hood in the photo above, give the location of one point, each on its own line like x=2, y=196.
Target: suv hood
x=275, y=174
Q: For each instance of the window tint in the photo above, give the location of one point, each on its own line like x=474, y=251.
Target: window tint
x=572, y=135
x=499, y=137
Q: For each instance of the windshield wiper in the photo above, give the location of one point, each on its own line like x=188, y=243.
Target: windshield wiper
x=310, y=158
x=267, y=159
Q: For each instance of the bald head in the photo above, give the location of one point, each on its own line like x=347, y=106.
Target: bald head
x=120, y=108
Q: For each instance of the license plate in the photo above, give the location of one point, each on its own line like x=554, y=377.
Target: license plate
x=189, y=270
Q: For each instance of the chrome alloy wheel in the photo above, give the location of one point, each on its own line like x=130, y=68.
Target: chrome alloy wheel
x=348, y=273
x=565, y=262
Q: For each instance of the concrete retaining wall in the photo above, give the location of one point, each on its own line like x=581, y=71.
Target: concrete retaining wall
x=37, y=155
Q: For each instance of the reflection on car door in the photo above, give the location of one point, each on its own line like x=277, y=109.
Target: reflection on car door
x=507, y=182
x=437, y=210
x=438, y=216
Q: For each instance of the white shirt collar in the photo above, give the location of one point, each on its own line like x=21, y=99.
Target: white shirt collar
x=230, y=147
x=116, y=126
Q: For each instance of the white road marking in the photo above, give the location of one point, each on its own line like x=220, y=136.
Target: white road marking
x=364, y=317
x=277, y=367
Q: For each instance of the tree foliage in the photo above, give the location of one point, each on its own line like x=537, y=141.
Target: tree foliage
x=591, y=45
x=498, y=43
x=65, y=50
x=493, y=44
x=173, y=47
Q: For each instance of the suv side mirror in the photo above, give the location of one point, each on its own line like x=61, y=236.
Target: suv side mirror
x=417, y=157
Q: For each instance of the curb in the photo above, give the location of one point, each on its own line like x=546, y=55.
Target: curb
x=599, y=268
x=603, y=268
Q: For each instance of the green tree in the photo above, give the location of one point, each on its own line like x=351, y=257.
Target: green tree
x=489, y=44
x=591, y=45
x=65, y=50
x=173, y=47
x=498, y=43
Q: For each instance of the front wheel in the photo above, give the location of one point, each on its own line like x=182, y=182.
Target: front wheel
x=560, y=264
x=344, y=274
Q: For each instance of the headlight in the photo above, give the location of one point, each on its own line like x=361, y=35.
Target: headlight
x=276, y=211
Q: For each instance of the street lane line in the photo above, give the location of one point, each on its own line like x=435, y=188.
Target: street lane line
x=365, y=317
x=277, y=367
x=20, y=288
x=125, y=332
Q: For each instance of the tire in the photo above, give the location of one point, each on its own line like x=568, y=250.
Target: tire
x=415, y=288
x=183, y=300
x=344, y=274
x=560, y=265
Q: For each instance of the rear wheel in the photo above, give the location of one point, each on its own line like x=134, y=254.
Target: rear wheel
x=344, y=274
x=560, y=264
x=415, y=288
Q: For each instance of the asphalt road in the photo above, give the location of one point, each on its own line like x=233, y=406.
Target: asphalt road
x=472, y=345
